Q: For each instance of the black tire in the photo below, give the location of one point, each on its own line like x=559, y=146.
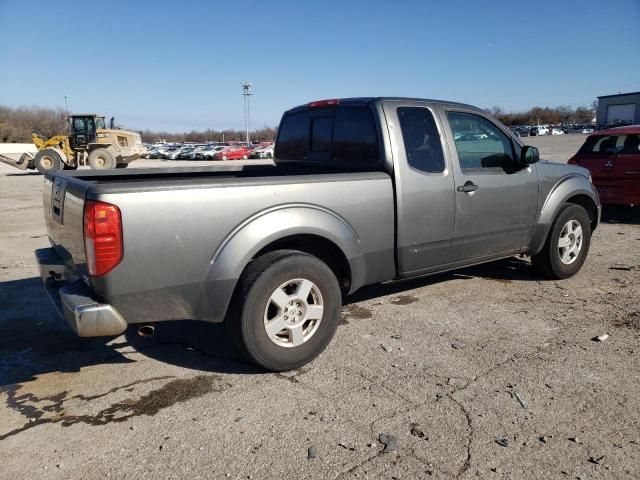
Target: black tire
x=47, y=160
x=263, y=276
x=548, y=261
x=101, y=159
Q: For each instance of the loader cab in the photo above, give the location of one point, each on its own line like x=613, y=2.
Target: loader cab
x=83, y=130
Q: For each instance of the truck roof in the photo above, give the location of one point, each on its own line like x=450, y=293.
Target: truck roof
x=363, y=101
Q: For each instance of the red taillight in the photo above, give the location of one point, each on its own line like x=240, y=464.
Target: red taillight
x=102, y=237
x=324, y=103
x=573, y=161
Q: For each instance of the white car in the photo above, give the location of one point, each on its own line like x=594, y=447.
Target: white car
x=265, y=151
x=539, y=130
x=556, y=131
x=210, y=153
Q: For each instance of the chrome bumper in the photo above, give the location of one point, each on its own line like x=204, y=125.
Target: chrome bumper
x=73, y=299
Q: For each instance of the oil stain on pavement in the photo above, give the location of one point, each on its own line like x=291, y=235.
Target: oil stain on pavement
x=175, y=391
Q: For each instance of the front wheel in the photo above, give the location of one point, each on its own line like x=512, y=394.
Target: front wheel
x=47, y=160
x=567, y=245
x=286, y=309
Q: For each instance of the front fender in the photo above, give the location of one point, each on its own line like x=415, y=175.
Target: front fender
x=63, y=156
x=568, y=187
x=262, y=229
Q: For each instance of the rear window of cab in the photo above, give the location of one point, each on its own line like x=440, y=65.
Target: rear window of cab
x=341, y=135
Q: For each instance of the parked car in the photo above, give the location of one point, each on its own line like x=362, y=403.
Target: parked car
x=272, y=249
x=520, y=131
x=197, y=153
x=166, y=153
x=232, y=153
x=613, y=158
x=557, y=131
x=264, y=151
x=538, y=131
x=210, y=153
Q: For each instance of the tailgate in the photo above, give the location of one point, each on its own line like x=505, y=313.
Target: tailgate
x=63, y=200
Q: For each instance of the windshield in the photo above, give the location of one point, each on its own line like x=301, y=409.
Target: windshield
x=100, y=123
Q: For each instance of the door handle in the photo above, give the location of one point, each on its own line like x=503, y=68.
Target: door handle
x=468, y=187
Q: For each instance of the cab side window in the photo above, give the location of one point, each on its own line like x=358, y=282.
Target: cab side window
x=421, y=139
x=481, y=144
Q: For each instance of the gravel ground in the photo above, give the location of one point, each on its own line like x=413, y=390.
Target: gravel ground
x=488, y=372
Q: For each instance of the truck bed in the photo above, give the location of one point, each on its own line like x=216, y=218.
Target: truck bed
x=144, y=179
x=187, y=230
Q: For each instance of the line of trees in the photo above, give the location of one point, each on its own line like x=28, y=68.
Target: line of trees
x=17, y=124
x=546, y=115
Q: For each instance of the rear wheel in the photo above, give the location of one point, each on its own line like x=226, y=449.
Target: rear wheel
x=567, y=245
x=47, y=160
x=101, y=159
x=286, y=309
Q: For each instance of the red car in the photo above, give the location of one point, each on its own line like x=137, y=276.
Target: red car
x=613, y=158
x=232, y=153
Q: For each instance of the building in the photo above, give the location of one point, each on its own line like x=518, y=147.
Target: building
x=618, y=110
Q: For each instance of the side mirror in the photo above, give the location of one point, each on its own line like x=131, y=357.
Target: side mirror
x=529, y=155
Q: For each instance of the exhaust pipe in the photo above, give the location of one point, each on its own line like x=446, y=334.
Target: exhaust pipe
x=146, y=331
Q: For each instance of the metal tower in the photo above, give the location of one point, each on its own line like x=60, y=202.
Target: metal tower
x=246, y=91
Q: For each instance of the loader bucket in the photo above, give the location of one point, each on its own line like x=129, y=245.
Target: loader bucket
x=25, y=161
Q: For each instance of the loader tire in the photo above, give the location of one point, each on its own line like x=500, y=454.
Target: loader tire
x=101, y=159
x=47, y=160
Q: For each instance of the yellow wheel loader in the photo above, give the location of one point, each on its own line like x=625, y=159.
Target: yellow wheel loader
x=90, y=143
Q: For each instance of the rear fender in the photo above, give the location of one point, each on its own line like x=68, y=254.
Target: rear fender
x=261, y=230
x=567, y=188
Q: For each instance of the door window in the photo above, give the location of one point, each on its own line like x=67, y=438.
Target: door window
x=421, y=139
x=481, y=144
x=79, y=125
x=631, y=145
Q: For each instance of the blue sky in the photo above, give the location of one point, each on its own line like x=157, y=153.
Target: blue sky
x=178, y=66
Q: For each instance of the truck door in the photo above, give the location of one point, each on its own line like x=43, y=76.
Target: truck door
x=83, y=131
x=424, y=186
x=495, y=199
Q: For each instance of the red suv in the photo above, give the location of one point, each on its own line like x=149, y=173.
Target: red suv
x=613, y=158
x=232, y=153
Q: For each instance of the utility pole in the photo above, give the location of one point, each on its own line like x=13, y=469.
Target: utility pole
x=246, y=92
x=66, y=107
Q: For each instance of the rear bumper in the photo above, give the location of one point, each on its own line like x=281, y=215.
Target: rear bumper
x=74, y=301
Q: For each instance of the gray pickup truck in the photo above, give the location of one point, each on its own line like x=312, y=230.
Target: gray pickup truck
x=363, y=190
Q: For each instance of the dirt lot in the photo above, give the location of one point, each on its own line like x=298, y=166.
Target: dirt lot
x=490, y=372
